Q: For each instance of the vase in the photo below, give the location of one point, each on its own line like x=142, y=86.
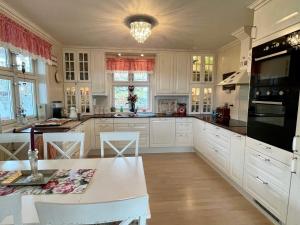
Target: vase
x=33, y=160
x=132, y=107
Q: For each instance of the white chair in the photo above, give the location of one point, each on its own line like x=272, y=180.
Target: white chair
x=72, y=137
x=11, y=205
x=94, y=213
x=107, y=137
x=7, y=138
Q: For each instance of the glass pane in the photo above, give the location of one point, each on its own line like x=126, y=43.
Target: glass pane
x=27, y=60
x=196, y=68
x=3, y=57
x=140, y=76
x=6, y=100
x=27, y=97
x=121, y=76
x=143, y=98
x=41, y=67
x=80, y=57
x=209, y=60
x=120, y=96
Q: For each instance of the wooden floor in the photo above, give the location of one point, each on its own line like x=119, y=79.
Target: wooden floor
x=184, y=190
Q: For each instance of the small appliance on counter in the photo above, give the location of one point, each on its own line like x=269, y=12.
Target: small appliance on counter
x=181, y=109
x=223, y=114
x=57, y=109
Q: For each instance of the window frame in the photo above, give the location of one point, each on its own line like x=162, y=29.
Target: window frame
x=136, y=84
x=13, y=89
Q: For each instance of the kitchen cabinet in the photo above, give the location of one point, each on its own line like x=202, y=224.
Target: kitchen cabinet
x=76, y=65
x=267, y=22
x=102, y=125
x=184, y=135
x=173, y=73
x=237, y=158
x=162, y=132
x=78, y=95
x=98, y=74
x=294, y=199
x=202, y=69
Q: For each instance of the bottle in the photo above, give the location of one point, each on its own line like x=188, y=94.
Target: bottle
x=121, y=109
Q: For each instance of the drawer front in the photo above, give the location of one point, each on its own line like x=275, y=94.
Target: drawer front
x=218, y=139
x=142, y=128
x=106, y=127
x=218, y=158
x=268, y=194
x=271, y=151
x=218, y=130
x=143, y=142
x=103, y=120
x=184, y=139
x=184, y=127
x=131, y=120
x=184, y=120
x=278, y=172
x=162, y=119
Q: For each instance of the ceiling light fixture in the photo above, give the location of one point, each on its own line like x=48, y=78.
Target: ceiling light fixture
x=140, y=26
x=294, y=40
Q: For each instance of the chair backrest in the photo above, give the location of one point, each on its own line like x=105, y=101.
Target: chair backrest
x=69, y=141
x=104, y=212
x=107, y=137
x=11, y=205
x=7, y=138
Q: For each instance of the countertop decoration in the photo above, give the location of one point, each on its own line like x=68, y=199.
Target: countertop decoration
x=132, y=98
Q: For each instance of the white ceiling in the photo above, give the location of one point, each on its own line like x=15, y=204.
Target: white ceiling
x=183, y=24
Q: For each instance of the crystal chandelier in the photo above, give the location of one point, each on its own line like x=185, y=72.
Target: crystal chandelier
x=294, y=40
x=140, y=26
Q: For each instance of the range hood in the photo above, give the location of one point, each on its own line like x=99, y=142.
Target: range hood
x=238, y=78
x=241, y=76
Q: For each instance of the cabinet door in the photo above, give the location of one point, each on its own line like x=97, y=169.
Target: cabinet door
x=84, y=103
x=207, y=100
x=98, y=75
x=237, y=158
x=182, y=71
x=195, y=99
x=83, y=59
x=294, y=202
x=162, y=132
x=70, y=95
x=164, y=74
x=69, y=58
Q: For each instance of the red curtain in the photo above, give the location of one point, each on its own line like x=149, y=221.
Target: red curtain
x=15, y=35
x=124, y=64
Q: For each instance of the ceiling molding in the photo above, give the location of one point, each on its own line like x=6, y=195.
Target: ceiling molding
x=258, y=4
x=232, y=44
x=17, y=17
x=242, y=33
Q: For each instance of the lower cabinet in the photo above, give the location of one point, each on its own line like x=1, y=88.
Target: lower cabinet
x=184, y=132
x=162, y=132
x=102, y=125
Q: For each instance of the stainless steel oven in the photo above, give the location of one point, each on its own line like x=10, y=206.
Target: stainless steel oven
x=274, y=93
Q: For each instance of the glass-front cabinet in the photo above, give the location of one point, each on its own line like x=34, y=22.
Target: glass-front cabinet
x=76, y=66
x=201, y=88
x=78, y=96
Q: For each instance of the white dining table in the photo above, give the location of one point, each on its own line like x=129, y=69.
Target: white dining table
x=114, y=179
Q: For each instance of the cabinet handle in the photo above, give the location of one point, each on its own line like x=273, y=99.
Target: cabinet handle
x=263, y=158
x=217, y=135
x=294, y=143
x=261, y=181
x=293, y=165
x=238, y=136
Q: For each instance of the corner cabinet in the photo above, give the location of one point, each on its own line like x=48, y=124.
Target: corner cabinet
x=172, y=73
x=76, y=65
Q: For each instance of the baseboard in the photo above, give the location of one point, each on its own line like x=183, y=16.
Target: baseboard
x=240, y=189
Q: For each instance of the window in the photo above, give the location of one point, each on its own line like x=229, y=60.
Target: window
x=24, y=59
x=27, y=97
x=41, y=67
x=4, y=60
x=6, y=99
x=121, y=81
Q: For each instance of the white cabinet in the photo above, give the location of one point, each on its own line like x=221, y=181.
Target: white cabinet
x=102, y=125
x=173, y=73
x=162, y=132
x=184, y=132
x=76, y=65
x=267, y=22
x=98, y=75
x=237, y=158
x=182, y=71
x=78, y=95
x=294, y=200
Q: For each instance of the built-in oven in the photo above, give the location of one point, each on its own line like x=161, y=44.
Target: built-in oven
x=274, y=93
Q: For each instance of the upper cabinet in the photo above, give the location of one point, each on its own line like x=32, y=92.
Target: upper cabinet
x=76, y=66
x=98, y=75
x=172, y=73
x=267, y=22
x=202, y=69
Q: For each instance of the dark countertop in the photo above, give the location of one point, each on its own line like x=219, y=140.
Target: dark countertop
x=235, y=126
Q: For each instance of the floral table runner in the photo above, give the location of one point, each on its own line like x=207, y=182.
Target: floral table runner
x=63, y=182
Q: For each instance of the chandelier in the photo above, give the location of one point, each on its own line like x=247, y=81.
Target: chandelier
x=294, y=40
x=140, y=26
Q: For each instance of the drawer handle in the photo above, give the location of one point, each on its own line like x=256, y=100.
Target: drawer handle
x=263, y=158
x=261, y=181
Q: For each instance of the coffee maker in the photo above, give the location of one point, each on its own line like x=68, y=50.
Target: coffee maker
x=57, y=109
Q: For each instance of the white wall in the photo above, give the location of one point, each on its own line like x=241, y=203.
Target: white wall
x=228, y=58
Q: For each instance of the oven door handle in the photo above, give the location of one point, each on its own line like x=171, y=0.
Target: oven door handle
x=266, y=102
x=270, y=56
